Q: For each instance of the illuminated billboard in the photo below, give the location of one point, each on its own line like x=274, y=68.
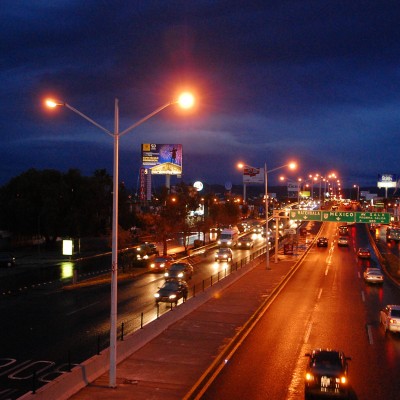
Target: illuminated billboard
x=253, y=175
x=162, y=159
x=387, y=181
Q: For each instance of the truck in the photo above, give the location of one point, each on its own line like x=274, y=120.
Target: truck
x=228, y=237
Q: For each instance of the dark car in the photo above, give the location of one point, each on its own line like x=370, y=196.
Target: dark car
x=145, y=250
x=172, y=291
x=327, y=374
x=7, y=260
x=322, y=242
x=245, y=242
x=181, y=270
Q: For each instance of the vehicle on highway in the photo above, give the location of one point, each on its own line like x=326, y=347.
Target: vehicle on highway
x=373, y=275
x=327, y=374
x=161, y=264
x=256, y=228
x=390, y=318
x=224, y=254
x=228, y=237
x=245, y=242
x=171, y=291
x=322, y=242
x=363, y=252
x=393, y=233
x=145, y=250
x=7, y=260
x=343, y=241
x=343, y=230
x=179, y=270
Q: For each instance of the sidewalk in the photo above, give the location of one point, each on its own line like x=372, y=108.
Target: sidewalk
x=168, y=356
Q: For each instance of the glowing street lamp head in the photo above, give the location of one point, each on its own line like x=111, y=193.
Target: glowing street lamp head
x=186, y=100
x=292, y=165
x=240, y=165
x=52, y=104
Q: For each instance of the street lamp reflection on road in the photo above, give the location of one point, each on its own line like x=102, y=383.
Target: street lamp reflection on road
x=185, y=100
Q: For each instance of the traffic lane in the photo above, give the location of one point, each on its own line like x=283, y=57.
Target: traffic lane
x=324, y=307
x=263, y=365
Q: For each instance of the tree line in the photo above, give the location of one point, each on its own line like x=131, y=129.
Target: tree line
x=51, y=204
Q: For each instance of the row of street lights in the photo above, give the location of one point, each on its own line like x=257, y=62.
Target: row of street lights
x=185, y=100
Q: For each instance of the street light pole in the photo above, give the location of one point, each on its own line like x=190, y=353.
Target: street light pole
x=186, y=101
x=266, y=216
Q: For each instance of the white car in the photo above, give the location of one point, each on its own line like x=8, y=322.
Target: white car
x=224, y=254
x=343, y=241
x=373, y=275
x=390, y=318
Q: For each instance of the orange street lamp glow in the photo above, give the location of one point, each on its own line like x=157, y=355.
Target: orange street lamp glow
x=292, y=165
x=186, y=100
x=51, y=103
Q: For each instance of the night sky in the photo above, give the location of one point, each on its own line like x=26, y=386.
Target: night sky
x=315, y=81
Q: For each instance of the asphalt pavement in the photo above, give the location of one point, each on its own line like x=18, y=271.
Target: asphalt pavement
x=178, y=361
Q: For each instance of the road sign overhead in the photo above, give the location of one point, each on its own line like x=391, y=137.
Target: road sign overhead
x=373, y=217
x=338, y=216
x=341, y=216
x=305, y=215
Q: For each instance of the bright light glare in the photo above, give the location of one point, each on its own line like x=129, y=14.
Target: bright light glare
x=51, y=103
x=186, y=100
x=240, y=165
x=292, y=165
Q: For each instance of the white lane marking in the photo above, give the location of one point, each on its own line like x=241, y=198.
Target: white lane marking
x=319, y=294
x=369, y=332
x=308, y=332
x=363, y=296
x=82, y=308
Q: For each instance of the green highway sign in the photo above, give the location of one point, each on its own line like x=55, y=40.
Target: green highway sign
x=338, y=216
x=373, y=217
x=305, y=215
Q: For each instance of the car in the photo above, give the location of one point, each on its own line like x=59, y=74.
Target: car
x=180, y=270
x=343, y=230
x=343, y=241
x=161, y=264
x=7, y=260
x=363, y=253
x=322, y=242
x=327, y=374
x=373, y=275
x=245, y=242
x=224, y=254
x=171, y=291
x=390, y=318
x=145, y=250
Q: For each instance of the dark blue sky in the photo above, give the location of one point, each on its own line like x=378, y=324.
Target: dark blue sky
x=316, y=81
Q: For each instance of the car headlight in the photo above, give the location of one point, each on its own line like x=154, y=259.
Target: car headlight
x=166, y=274
x=180, y=275
x=309, y=377
x=162, y=265
x=229, y=242
x=343, y=380
x=156, y=295
x=248, y=244
x=152, y=265
x=219, y=242
x=225, y=256
x=172, y=296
